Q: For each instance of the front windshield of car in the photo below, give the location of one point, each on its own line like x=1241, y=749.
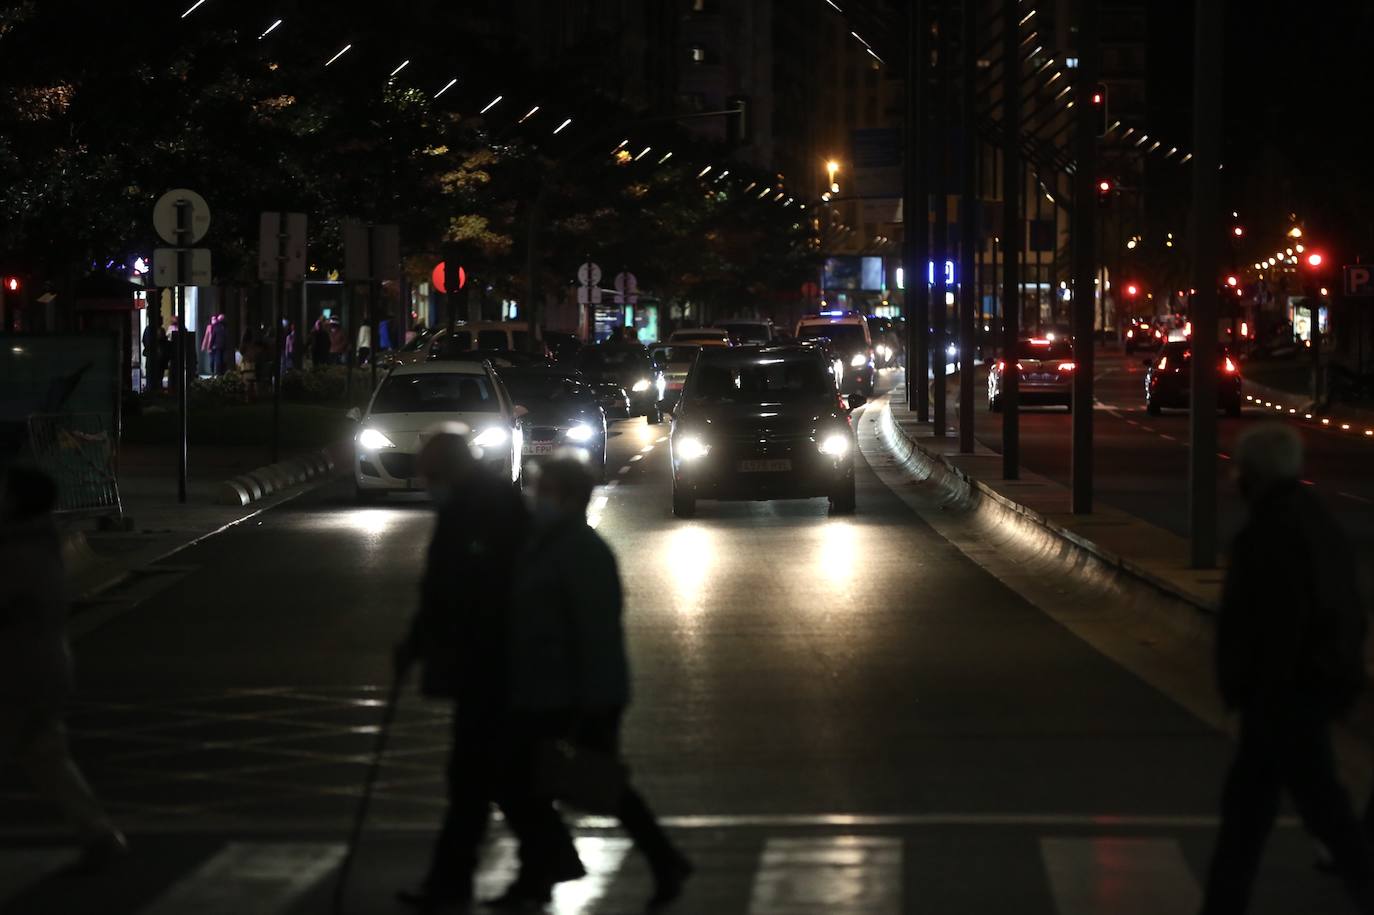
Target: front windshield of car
x=1044, y=349
x=746, y=332
x=528, y=389
x=843, y=336
x=613, y=359
x=674, y=355
x=767, y=380
x=436, y=392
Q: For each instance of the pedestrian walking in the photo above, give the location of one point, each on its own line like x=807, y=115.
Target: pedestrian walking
x=338, y=343
x=1290, y=660
x=458, y=636
x=219, y=345
x=570, y=678
x=319, y=342
x=36, y=664
x=249, y=353
x=153, y=353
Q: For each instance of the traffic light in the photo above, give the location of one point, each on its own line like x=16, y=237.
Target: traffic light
x=1099, y=103
x=11, y=284
x=1232, y=281
x=1315, y=259
x=1106, y=189
x=1132, y=290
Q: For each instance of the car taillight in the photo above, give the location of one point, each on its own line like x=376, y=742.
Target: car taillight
x=1001, y=365
x=1130, y=334
x=1228, y=366
x=1163, y=363
x=1067, y=366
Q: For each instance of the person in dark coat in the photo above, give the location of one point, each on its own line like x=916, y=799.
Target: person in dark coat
x=154, y=351
x=1290, y=660
x=36, y=663
x=458, y=636
x=319, y=342
x=569, y=674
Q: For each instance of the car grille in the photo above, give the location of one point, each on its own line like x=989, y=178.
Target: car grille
x=543, y=434
x=400, y=466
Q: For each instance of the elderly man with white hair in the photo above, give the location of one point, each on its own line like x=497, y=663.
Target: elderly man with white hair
x=1290, y=660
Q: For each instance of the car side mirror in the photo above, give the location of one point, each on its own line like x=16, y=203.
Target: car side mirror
x=521, y=411
x=355, y=415
x=856, y=400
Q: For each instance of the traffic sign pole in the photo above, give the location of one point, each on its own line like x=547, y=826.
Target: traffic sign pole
x=183, y=243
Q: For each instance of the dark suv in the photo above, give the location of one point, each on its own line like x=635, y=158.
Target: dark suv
x=765, y=422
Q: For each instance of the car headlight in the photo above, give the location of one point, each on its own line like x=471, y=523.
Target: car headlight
x=579, y=433
x=835, y=444
x=372, y=440
x=492, y=437
x=691, y=448
x=858, y=361
x=641, y=386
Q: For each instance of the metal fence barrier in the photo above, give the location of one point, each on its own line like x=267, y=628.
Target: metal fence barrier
x=79, y=451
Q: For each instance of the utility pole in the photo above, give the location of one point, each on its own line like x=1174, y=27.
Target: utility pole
x=968, y=225
x=278, y=314
x=940, y=248
x=916, y=210
x=1011, y=238
x=1084, y=258
x=1209, y=33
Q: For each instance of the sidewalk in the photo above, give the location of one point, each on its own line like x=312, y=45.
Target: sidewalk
x=159, y=524
x=1122, y=540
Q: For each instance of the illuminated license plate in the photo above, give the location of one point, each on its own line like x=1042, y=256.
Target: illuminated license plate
x=776, y=465
x=538, y=448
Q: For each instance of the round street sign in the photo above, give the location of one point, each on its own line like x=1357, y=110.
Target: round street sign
x=165, y=215
x=589, y=274
x=436, y=277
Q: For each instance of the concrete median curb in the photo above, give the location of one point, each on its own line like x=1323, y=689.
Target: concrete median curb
x=968, y=493
x=264, y=481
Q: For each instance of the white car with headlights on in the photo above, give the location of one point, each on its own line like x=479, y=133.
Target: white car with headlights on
x=763, y=422
x=413, y=401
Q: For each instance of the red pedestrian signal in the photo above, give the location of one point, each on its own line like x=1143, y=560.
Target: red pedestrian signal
x=1132, y=290
x=1232, y=281
x=11, y=284
x=1099, y=103
x=1314, y=259
x=1104, y=186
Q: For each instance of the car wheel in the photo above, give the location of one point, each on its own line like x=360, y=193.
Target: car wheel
x=1151, y=408
x=844, y=501
x=684, y=502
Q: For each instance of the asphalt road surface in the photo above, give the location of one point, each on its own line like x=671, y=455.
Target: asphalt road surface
x=1141, y=461
x=834, y=715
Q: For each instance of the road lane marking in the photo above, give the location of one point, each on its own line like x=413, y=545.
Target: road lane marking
x=637, y=457
x=602, y=857
x=1168, y=436
x=624, y=470
x=839, y=875
x=646, y=449
x=1121, y=876
x=1351, y=495
x=612, y=484
x=258, y=877
x=661, y=438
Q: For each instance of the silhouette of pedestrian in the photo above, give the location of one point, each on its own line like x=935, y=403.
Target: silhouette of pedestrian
x=569, y=672
x=458, y=636
x=1290, y=639
x=36, y=665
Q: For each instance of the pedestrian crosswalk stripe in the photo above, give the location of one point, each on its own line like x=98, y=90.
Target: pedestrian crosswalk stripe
x=1089, y=876
x=262, y=878
x=23, y=867
x=837, y=875
x=602, y=857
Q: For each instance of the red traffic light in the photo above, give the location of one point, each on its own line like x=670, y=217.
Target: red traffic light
x=1314, y=259
x=12, y=284
x=1232, y=281
x=1132, y=290
x=1238, y=231
x=1104, y=186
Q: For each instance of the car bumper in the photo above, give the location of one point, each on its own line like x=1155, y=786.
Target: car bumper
x=393, y=470
x=1178, y=395
x=724, y=477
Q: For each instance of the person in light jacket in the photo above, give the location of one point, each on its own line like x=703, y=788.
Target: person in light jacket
x=36, y=663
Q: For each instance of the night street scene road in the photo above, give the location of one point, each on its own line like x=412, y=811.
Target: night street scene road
x=717, y=457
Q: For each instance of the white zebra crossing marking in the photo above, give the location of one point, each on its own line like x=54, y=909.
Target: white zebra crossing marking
x=262, y=878
x=22, y=867
x=838, y=875
x=1089, y=876
x=601, y=856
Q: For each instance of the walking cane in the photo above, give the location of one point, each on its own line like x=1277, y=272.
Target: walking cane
x=360, y=817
